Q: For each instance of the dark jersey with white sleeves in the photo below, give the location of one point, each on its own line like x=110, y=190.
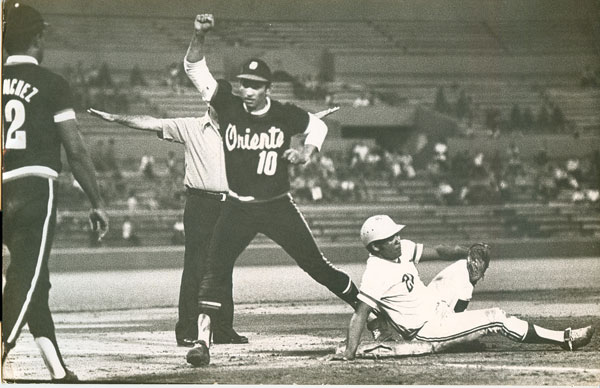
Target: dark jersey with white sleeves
x=34, y=99
x=254, y=144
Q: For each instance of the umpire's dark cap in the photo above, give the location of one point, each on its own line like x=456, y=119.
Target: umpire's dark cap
x=21, y=18
x=255, y=70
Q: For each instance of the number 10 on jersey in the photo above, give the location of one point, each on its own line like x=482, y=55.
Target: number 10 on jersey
x=267, y=163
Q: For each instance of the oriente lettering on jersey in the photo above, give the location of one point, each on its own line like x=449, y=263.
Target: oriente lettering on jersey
x=273, y=138
x=19, y=88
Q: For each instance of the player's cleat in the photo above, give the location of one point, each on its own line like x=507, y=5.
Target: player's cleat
x=199, y=355
x=70, y=378
x=186, y=342
x=575, y=339
x=228, y=336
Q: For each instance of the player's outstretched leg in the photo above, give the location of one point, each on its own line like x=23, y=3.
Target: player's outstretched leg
x=199, y=355
x=453, y=329
x=568, y=339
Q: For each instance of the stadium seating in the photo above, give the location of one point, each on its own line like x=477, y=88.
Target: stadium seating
x=341, y=223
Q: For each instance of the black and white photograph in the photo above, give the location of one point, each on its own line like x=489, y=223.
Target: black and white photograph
x=301, y=192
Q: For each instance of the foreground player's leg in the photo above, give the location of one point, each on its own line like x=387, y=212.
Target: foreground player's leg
x=459, y=328
x=199, y=355
x=290, y=230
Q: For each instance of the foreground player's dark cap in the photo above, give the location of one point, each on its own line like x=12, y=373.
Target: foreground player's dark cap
x=21, y=18
x=255, y=70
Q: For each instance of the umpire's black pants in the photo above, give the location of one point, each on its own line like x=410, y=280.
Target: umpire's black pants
x=282, y=222
x=200, y=216
x=28, y=223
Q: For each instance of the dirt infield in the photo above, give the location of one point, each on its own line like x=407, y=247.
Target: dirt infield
x=290, y=344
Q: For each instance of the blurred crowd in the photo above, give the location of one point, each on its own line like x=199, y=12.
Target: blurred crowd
x=461, y=178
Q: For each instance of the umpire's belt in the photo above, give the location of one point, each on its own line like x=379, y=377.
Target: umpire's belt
x=217, y=195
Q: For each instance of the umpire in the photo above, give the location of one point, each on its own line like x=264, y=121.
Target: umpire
x=38, y=119
x=206, y=189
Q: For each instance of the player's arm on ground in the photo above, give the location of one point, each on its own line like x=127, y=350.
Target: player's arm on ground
x=84, y=172
x=141, y=122
x=355, y=329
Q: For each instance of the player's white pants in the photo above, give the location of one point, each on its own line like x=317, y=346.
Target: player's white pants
x=456, y=328
x=448, y=330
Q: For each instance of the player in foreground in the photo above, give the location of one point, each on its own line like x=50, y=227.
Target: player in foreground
x=257, y=133
x=206, y=191
x=38, y=119
x=431, y=318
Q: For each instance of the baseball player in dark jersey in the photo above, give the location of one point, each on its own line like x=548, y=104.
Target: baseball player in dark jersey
x=206, y=191
x=256, y=133
x=37, y=119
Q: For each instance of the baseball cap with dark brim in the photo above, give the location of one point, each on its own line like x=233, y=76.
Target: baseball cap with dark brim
x=255, y=70
x=21, y=18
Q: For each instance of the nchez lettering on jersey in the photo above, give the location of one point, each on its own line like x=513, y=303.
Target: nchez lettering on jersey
x=273, y=138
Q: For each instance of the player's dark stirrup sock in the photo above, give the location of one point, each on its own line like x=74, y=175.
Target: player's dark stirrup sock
x=460, y=306
x=539, y=335
x=350, y=296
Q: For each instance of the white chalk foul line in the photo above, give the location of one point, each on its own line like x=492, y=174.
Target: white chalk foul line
x=521, y=368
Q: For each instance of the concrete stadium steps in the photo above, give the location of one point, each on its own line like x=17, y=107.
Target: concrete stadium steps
x=545, y=36
x=438, y=37
x=341, y=223
x=582, y=106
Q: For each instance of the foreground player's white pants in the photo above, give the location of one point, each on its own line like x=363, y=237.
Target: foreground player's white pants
x=450, y=329
x=456, y=328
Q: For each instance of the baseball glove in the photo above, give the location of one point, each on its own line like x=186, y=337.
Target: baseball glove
x=478, y=261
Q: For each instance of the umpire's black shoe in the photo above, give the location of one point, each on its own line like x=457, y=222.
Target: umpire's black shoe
x=186, y=342
x=228, y=336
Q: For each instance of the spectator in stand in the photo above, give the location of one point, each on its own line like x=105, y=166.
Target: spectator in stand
x=136, y=77
x=104, y=77
x=110, y=158
x=98, y=154
x=132, y=202
x=358, y=158
x=574, y=169
x=361, y=101
x=441, y=157
x=482, y=187
x=326, y=165
x=330, y=99
x=445, y=194
x=128, y=233
x=561, y=178
x=178, y=237
x=172, y=165
x=578, y=195
x=374, y=163
x=147, y=166
x=546, y=187
x=592, y=195
x=393, y=166
x=173, y=77
x=406, y=162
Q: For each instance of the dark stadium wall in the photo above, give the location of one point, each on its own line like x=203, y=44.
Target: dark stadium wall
x=331, y=9
x=558, y=146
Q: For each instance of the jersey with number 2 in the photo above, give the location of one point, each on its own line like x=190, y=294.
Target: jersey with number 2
x=254, y=145
x=32, y=97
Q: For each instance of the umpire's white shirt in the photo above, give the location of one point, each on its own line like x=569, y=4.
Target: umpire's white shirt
x=395, y=287
x=204, y=154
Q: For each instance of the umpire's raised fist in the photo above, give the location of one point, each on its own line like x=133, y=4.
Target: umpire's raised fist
x=204, y=22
